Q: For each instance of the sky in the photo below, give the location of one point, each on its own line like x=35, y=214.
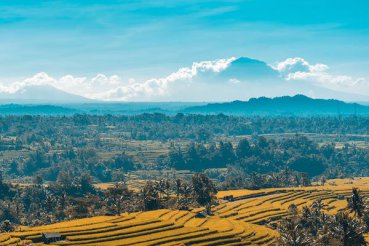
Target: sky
x=130, y=43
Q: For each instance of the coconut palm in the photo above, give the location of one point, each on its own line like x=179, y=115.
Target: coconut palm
x=356, y=203
x=292, y=234
x=347, y=230
x=318, y=206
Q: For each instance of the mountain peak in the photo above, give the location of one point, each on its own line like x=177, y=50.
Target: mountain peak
x=246, y=61
x=42, y=94
x=245, y=68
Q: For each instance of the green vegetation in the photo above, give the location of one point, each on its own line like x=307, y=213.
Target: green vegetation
x=108, y=147
x=56, y=168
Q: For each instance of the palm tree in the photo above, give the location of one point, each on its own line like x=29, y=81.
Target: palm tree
x=318, y=206
x=293, y=210
x=347, y=230
x=356, y=203
x=323, y=237
x=317, y=216
x=291, y=234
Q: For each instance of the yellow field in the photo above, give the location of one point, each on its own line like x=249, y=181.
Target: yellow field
x=245, y=221
x=160, y=227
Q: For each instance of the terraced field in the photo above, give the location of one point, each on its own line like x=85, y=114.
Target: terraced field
x=267, y=206
x=160, y=227
x=247, y=220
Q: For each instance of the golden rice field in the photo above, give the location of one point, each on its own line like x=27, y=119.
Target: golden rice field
x=248, y=220
x=160, y=227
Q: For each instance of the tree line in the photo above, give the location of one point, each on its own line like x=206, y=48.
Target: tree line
x=255, y=162
x=262, y=163
x=73, y=197
x=77, y=128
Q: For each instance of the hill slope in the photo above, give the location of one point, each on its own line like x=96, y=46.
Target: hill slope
x=286, y=105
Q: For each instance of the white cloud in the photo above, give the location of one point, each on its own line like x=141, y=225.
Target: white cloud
x=299, y=69
x=185, y=83
x=68, y=83
x=298, y=64
x=37, y=79
x=159, y=87
x=105, y=87
x=234, y=81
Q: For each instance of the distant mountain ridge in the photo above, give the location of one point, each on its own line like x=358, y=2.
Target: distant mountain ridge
x=285, y=105
x=208, y=81
x=298, y=105
x=41, y=94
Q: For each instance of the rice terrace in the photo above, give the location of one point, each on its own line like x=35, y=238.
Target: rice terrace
x=250, y=218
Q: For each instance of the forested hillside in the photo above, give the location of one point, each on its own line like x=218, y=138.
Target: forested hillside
x=286, y=105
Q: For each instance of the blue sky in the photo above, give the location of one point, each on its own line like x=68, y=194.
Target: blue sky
x=146, y=39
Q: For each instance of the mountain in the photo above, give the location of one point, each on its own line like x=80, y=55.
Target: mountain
x=285, y=105
x=245, y=68
x=245, y=78
x=41, y=94
x=298, y=105
x=209, y=81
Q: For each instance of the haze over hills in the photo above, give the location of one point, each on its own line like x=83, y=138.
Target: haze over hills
x=205, y=81
x=41, y=94
x=298, y=105
x=286, y=105
x=244, y=78
x=16, y=109
x=234, y=79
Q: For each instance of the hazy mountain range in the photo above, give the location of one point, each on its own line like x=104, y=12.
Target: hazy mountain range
x=208, y=81
x=36, y=94
x=286, y=105
x=298, y=105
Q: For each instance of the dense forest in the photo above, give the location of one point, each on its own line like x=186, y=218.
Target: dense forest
x=102, y=146
x=269, y=163
x=157, y=126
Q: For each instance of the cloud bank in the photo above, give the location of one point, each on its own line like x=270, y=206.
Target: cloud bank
x=113, y=88
x=186, y=82
x=298, y=69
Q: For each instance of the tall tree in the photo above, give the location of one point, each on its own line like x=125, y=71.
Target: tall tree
x=243, y=149
x=118, y=198
x=349, y=231
x=204, y=191
x=150, y=195
x=356, y=203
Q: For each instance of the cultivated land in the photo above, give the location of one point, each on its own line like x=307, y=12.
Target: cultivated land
x=249, y=219
x=146, y=152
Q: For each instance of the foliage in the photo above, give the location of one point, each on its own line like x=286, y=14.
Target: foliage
x=314, y=227
x=356, y=203
x=204, y=190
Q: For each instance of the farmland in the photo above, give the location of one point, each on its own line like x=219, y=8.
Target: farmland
x=249, y=219
x=154, y=179
x=159, y=227
x=46, y=146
